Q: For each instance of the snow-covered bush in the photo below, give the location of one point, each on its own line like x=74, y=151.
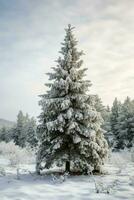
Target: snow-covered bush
x=15, y=154
x=100, y=185
x=59, y=179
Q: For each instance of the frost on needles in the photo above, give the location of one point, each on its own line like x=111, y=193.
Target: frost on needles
x=70, y=127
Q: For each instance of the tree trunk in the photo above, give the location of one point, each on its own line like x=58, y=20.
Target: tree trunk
x=67, y=169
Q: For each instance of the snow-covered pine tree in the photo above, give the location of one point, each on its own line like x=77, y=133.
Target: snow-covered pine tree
x=105, y=113
x=19, y=132
x=25, y=131
x=31, y=137
x=114, y=120
x=3, y=134
x=107, y=126
x=125, y=136
x=70, y=130
x=99, y=106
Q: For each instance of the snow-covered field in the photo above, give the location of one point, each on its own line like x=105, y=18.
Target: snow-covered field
x=24, y=184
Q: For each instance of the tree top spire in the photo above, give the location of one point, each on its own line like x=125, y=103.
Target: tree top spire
x=69, y=27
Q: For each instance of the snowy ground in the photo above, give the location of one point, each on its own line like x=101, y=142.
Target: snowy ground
x=119, y=182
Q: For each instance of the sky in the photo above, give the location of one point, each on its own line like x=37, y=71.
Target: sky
x=31, y=33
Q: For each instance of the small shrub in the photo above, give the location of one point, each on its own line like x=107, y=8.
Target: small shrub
x=15, y=154
x=59, y=179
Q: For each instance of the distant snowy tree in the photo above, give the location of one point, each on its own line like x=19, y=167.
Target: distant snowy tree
x=125, y=135
x=105, y=113
x=3, y=134
x=107, y=126
x=99, y=106
x=69, y=124
x=114, y=119
x=25, y=131
x=6, y=134
x=104, y=110
x=31, y=134
x=122, y=123
x=19, y=133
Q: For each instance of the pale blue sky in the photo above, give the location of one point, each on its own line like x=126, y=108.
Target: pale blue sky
x=30, y=35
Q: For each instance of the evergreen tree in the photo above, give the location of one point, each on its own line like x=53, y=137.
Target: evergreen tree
x=6, y=134
x=69, y=124
x=3, y=134
x=31, y=133
x=99, y=106
x=125, y=136
x=105, y=113
x=19, y=133
x=114, y=120
x=10, y=134
x=25, y=131
x=107, y=126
